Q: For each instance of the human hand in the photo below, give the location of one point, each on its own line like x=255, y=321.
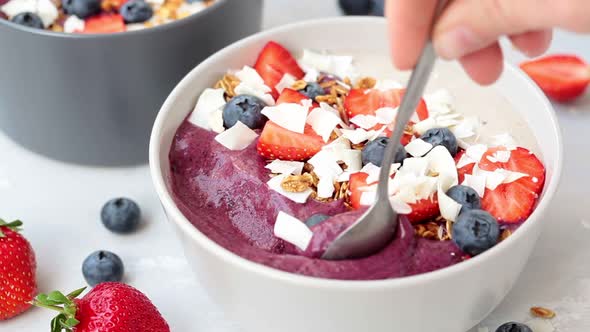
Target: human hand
x=468, y=30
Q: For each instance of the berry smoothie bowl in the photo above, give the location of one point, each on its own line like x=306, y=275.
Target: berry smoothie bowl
x=91, y=96
x=267, y=150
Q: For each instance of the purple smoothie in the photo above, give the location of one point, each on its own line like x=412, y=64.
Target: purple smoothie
x=224, y=194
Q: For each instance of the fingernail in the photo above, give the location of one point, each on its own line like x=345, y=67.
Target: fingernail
x=456, y=43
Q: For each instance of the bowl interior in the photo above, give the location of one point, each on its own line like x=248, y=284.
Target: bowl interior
x=514, y=104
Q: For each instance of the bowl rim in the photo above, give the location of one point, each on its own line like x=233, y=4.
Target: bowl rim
x=175, y=215
x=77, y=36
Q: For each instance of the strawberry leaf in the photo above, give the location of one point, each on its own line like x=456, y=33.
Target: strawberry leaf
x=58, y=298
x=76, y=293
x=14, y=226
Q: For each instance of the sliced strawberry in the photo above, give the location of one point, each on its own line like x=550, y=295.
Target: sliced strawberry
x=275, y=61
x=561, y=77
x=421, y=210
x=294, y=97
x=367, y=101
x=104, y=23
x=467, y=169
x=276, y=142
x=514, y=202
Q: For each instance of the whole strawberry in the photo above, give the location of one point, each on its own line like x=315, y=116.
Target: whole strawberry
x=17, y=271
x=108, y=307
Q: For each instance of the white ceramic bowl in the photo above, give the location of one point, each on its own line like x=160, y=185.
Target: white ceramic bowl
x=263, y=299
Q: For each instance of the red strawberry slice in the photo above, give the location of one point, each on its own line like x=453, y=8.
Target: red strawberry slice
x=275, y=61
x=421, y=210
x=467, y=169
x=367, y=101
x=104, y=23
x=293, y=97
x=276, y=142
x=514, y=202
x=561, y=77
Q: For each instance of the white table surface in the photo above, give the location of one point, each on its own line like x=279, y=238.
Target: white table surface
x=60, y=205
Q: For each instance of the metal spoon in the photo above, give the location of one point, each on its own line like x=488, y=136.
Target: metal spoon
x=376, y=228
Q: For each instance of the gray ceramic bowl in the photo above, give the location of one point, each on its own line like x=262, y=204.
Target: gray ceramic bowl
x=92, y=99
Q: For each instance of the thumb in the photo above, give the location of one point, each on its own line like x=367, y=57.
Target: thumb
x=470, y=25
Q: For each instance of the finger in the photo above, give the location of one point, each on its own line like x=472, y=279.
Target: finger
x=469, y=25
x=533, y=43
x=409, y=26
x=484, y=66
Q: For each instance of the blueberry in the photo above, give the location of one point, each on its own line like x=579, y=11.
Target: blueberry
x=28, y=19
x=514, y=327
x=102, y=266
x=136, y=11
x=441, y=136
x=475, y=231
x=246, y=109
x=356, y=7
x=313, y=90
x=120, y=215
x=465, y=196
x=373, y=152
x=81, y=8
x=316, y=219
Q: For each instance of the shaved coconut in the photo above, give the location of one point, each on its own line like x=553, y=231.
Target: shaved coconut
x=325, y=164
x=339, y=143
x=425, y=187
x=476, y=152
x=73, y=24
x=209, y=101
x=477, y=182
x=15, y=7
x=407, y=194
x=418, y=147
x=440, y=101
x=326, y=187
x=400, y=206
x=215, y=121
x=467, y=127
x=374, y=171
x=449, y=208
x=503, y=140
x=286, y=82
x=285, y=167
x=416, y=166
x=323, y=122
x=292, y=230
x=344, y=177
x=386, y=85
x=368, y=198
x=358, y=135
x=275, y=184
x=47, y=11
x=351, y=157
x=424, y=125
x=492, y=159
x=502, y=156
x=338, y=65
x=493, y=179
x=540, y=325
x=447, y=122
x=245, y=89
x=441, y=162
x=290, y=116
x=386, y=115
x=465, y=160
x=365, y=121
x=374, y=134
x=512, y=176
x=311, y=75
x=237, y=137
x=250, y=76
x=463, y=144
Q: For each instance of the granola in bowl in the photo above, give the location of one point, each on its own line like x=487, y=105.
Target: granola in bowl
x=277, y=159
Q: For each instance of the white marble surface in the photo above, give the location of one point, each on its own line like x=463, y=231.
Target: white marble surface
x=60, y=204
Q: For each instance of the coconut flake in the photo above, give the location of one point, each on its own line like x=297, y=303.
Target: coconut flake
x=237, y=137
x=47, y=11
x=400, y=206
x=386, y=115
x=439, y=102
x=425, y=187
x=476, y=152
x=209, y=101
x=290, y=116
x=358, y=135
x=418, y=147
x=441, y=162
x=323, y=122
x=245, y=89
x=350, y=157
x=15, y=7
x=344, y=177
x=311, y=75
x=339, y=143
x=275, y=184
x=286, y=82
x=215, y=121
x=416, y=166
x=285, y=167
x=467, y=127
x=502, y=156
x=503, y=140
x=365, y=121
x=325, y=164
x=477, y=182
x=335, y=64
x=326, y=187
x=386, y=85
x=464, y=161
x=75, y=24
x=250, y=76
x=449, y=208
x=292, y=230
x=424, y=125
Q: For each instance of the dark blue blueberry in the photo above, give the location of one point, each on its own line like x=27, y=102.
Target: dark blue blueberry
x=246, y=109
x=465, y=196
x=120, y=215
x=475, y=231
x=441, y=136
x=102, y=266
x=28, y=19
x=81, y=8
x=316, y=219
x=514, y=327
x=313, y=90
x=136, y=11
x=356, y=7
x=373, y=152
